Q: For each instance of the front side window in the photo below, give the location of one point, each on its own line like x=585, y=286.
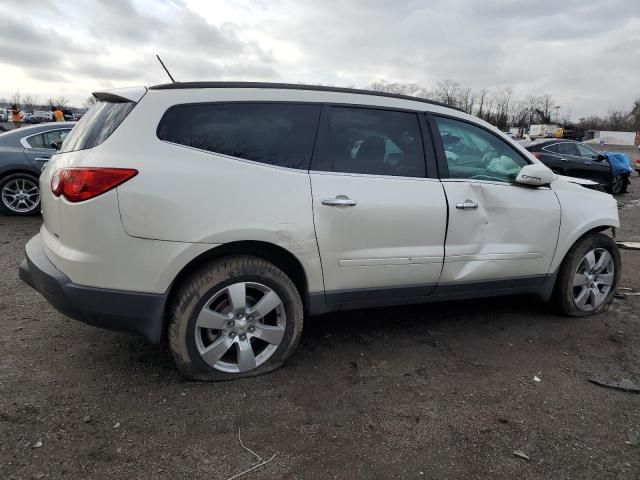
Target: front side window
x=54, y=136
x=474, y=153
x=271, y=133
x=377, y=142
x=586, y=151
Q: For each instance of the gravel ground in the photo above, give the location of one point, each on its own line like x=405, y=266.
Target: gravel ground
x=437, y=391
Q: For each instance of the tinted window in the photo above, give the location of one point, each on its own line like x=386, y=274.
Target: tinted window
x=567, y=149
x=474, y=153
x=552, y=148
x=96, y=125
x=276, y=134
x=378, y=142
x=586, y=151
x=54, y=136
x=37, y=141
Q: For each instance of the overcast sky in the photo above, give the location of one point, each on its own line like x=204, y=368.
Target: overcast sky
x=586, y=53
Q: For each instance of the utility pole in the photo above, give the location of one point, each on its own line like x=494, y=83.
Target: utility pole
x=557, y=107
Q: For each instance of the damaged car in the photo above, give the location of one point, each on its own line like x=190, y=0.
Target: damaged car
x=218, y=216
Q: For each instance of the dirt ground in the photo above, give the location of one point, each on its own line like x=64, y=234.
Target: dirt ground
x=437, y=391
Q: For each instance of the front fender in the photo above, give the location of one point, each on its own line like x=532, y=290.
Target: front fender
x=583, y=210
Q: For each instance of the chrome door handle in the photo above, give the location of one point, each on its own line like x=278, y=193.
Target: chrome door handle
x=467, y=205
x=339, y=201
x=42, y=159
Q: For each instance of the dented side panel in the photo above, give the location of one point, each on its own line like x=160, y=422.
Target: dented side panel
x=513, y=231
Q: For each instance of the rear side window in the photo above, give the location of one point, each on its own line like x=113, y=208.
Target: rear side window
x=45, y=139
x=36, y=141
x=96, y=125
x=272, y=133
x=567, y=149
x=552, y=148
x=377, y=142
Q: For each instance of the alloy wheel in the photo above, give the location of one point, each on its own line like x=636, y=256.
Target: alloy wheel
x=240, y=327
x=21, y=195
x=593, y=279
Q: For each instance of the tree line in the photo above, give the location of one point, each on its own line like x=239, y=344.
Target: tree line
x=502, y=109
x=30, y=103
x=498, y=107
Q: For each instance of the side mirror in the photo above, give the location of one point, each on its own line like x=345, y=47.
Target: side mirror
x=535, y=175
x=56, y=145
x=600, y=157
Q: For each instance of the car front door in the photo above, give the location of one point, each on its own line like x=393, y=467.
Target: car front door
x=500, y=234
x=380, y=220
x=600, y=168
x=575, y=165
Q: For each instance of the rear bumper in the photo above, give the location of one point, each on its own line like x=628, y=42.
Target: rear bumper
x=137, y=312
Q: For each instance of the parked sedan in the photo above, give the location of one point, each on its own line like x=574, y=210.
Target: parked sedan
x=575, y=159
x=23, y=153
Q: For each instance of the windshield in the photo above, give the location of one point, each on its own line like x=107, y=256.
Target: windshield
x=96, y=125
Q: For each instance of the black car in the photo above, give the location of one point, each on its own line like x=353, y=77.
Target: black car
x=575, y=159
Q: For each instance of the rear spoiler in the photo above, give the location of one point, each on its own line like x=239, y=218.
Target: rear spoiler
x=121, y=95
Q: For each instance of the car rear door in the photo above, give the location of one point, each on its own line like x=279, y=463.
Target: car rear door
x=380, y=220
x=500, y=234
x=38, y=147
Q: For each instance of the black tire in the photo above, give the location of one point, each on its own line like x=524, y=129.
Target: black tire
x=214, y=277
x=564, y=289
x=8, y=209
x=618, y=185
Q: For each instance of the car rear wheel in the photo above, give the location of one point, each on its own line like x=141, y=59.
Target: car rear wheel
x=236, y=317
x=588, y=276
x=20, y=194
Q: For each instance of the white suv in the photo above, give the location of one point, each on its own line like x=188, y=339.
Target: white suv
x=218, y=215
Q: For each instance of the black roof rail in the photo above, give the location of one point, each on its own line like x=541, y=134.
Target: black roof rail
x=294, y=86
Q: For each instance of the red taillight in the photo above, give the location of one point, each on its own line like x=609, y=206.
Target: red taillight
x=79, y=184
x=536, y=154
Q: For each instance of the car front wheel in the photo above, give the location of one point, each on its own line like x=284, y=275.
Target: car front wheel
x=618, y=185
x=236, y=317
x=20, y=194
x=588, y=276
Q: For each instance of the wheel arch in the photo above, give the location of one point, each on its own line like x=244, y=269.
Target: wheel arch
x=12, y=171
x=562, y=254
x=279, y=256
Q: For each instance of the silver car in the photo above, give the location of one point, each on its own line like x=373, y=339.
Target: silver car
x=23, y=153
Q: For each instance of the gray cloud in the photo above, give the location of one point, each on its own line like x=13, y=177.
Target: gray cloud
x=584, y=53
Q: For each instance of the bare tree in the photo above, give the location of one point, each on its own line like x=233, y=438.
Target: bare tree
x=30, y=102
x=62, y=101
x=635, y=113
x=447, y=92
x=482, y=95
x=546, y=104
x=16, y=98
x=411, y=89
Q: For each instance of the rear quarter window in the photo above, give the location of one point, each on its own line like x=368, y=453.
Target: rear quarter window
x=96, y=125
x=270, y=133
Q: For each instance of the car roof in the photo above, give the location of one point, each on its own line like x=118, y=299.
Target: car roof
x=293, y=86
x=543, y=142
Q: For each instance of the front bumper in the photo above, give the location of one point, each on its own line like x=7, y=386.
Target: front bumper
x=142, y=313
